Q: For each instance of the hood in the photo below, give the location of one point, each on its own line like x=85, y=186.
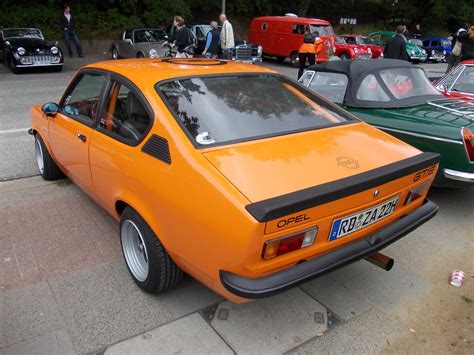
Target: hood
x=29, y=43
x=413, y=47
x=267, y=168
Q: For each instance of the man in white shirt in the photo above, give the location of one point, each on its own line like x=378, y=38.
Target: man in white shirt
x=227, y=37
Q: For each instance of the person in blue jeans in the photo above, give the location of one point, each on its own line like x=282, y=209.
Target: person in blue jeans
x=68, y=22
x=212, y=42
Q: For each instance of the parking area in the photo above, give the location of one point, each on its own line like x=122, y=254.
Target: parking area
x=64, y=287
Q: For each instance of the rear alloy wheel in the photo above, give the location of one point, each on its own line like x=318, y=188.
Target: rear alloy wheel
x=151, y=267
x=344, y=56
x=115, y=53
x=294, y=60
x=46, y=165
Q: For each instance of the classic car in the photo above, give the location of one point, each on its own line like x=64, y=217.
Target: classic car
x=243, y=51
x=438, y=43
x=140, y=43
x=397, y=97
x=22, y=48
x=432, y=55
x=415, y=53
x=345, y=50
x=459, y=82
x=209, y=175
x=377, y=51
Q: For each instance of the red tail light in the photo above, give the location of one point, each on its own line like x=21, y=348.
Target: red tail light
x=468, y=139
x=280, y=246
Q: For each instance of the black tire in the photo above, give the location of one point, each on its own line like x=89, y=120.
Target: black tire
x=280, y=59
x=163, y=274
x=140, y=55
x=344, y=56
x=14, y=69
x=115, y=53
x=294, y=60
x=50, y=170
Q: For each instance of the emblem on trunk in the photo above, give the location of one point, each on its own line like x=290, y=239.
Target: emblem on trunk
x=347, y=162
x=376, y=193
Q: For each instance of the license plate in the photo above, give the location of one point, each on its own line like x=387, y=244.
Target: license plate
x=349, y=224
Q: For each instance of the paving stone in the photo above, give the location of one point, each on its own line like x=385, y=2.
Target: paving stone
x=27, y=312
x=54, y=343
x=368, y=333
x=102, y=305
x=396, y=292
x=188, y=335
x=272, y=325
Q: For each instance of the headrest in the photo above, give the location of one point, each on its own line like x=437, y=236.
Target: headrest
x=134, y=106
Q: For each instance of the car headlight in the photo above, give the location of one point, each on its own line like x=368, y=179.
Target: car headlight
x=424, y=52
x=259, y=50
x=21, y=51
x=444, y=52
x=369, y=50
x=356, y=50
x=54, y=50
x=412, y=52
x=153, y=53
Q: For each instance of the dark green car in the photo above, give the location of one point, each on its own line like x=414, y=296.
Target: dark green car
x=397, y=97
x=414, y=52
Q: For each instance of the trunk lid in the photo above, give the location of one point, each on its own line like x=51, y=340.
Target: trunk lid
x=267, y=168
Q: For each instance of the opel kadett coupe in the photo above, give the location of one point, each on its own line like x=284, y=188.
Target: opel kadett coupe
x=230, y=172
x=397, y=97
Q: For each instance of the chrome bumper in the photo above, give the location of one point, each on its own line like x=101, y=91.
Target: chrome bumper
x=458, y=175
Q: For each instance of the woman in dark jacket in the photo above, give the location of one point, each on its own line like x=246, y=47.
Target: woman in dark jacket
x=211, y=49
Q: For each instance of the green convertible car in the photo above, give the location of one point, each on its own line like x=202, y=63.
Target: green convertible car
x=415, y=53
x=397, y=97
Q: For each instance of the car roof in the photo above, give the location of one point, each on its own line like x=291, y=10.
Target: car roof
x=358, y=70
x=294, y=19
x=148, y=71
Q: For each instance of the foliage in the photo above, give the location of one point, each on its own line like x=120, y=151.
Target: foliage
x=102, y=18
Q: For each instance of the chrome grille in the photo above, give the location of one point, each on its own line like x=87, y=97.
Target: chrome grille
x=243, y=53
x=39, y=59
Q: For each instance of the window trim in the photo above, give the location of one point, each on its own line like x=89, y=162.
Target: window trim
x=312, y=95
x=138, y=93
x=73, y=85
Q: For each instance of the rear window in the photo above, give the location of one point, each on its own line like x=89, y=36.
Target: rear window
x=407, y=82
x=216, y=110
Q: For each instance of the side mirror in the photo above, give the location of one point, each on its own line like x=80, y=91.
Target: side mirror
x=50, y=109
x=128, y=40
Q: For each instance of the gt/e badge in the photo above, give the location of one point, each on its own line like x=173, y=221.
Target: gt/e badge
x=424, y=173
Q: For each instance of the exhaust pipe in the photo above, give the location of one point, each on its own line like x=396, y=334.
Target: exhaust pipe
x=383, y=261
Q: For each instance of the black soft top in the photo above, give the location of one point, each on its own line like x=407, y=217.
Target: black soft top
x=358, y=70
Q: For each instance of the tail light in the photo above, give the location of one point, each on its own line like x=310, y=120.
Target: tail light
x=280, y=246
x=418, y=191
x=468, y=139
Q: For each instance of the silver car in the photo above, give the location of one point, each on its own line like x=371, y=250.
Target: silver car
x=140, y=43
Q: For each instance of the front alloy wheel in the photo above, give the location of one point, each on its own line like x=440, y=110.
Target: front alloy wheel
x=134, y=250
x=115, y=53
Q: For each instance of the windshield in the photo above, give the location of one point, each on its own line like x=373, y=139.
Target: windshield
x=445, y=42
x=416, y=42
x=407, y=82
x=364, y=40
x=465, y=82
x=340, y=40
x=324, y=30
x=330, y=85
x=225, y=109
x=148, y=35
x=22, y=33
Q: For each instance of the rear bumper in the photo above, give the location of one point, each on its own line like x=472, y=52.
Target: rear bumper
x=282, y=280
x=458, y=175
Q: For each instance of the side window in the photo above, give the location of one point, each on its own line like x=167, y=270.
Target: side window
x=82, y=101
x=125, y=115
x=128, y=35
x=449, y=79
x=435, y=43
x=370, y=90
x=298, y=29
x=264, y=26
x=331, y=85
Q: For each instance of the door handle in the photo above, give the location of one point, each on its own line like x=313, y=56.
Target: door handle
x=81, y=137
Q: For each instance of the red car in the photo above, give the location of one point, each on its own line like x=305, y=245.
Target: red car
x=346, y=50
x=377, y=51
x=459, y=82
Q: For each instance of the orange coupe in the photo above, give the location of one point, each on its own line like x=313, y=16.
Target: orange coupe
x=229, y=172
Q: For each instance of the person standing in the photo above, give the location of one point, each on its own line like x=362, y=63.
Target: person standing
x=417, y=33
x=467, y=40
x=227, y=37
x=396, y=47
x=182, y=39
x=309, y=50
x=211, y=48
x=68, y=23
x=457, y=45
